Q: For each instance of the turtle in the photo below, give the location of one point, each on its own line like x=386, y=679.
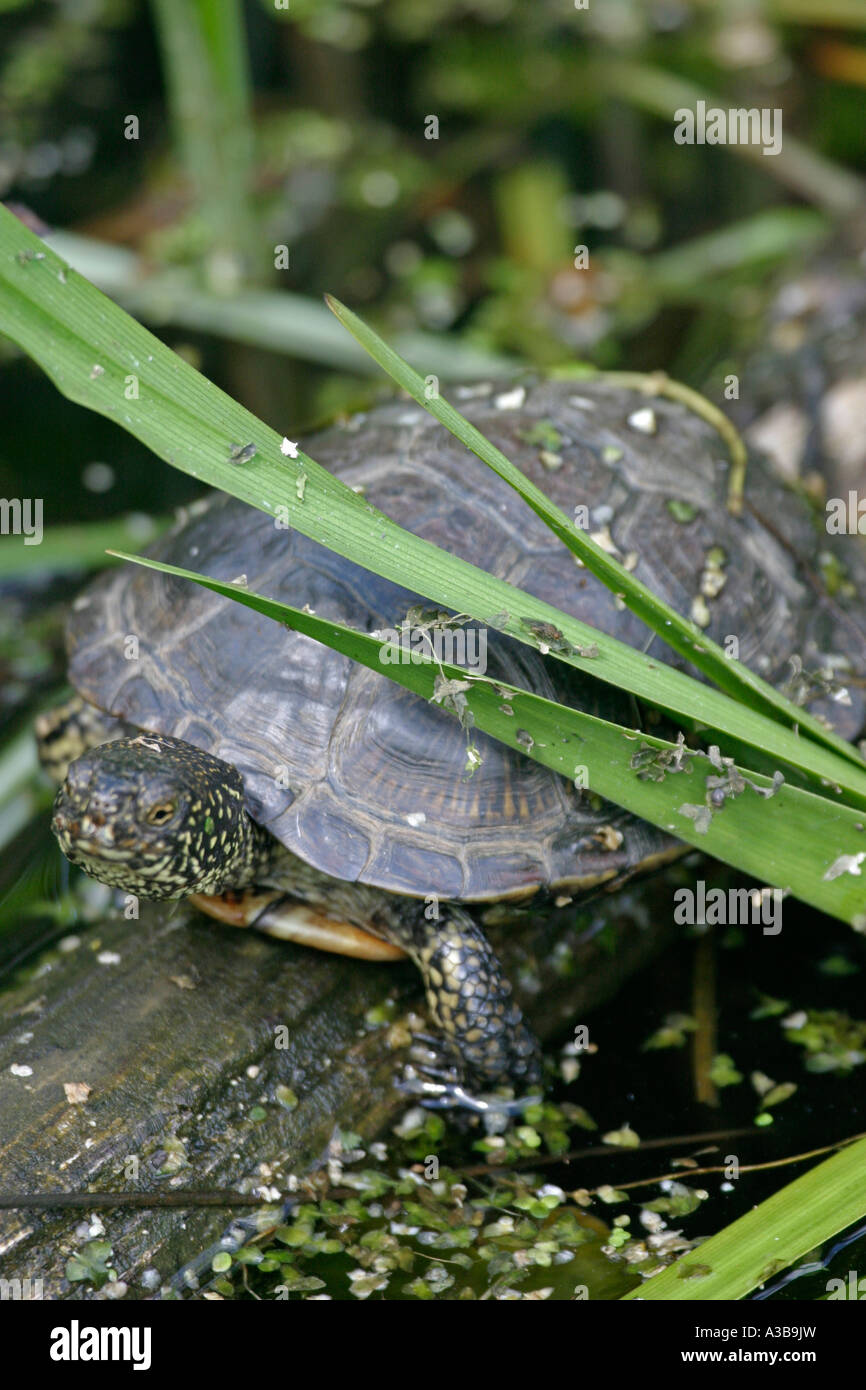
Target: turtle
x=212, y=754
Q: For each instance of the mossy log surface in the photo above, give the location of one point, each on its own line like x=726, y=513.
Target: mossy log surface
x=170, y=1021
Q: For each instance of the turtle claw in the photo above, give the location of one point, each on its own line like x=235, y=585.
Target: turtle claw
x=437, y=1082
x=434, y=1093
x=432, y=1063
x=436, y=1048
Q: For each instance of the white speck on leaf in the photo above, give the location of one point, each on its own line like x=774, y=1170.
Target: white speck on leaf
x=845, y=864
x=289, y=448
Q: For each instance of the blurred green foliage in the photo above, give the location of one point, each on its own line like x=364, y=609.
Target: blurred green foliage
x=442, y=164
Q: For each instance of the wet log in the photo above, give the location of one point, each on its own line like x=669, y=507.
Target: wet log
x=172, y=1021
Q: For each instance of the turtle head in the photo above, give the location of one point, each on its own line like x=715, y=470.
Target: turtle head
x=156, y=817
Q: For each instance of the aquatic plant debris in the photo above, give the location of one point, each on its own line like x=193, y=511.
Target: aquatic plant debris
x=242, y=453
x=845, y=864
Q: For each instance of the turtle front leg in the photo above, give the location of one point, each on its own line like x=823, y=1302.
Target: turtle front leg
x=469, y=998
x=482, y=1032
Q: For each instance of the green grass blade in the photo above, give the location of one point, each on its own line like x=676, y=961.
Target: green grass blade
x=68, y=548
x=771, y=1236
x=276, y=319
x=777, y=234
x=99, y=357
x=204, y=60
x=761, y=836
x=812, y=175
x=678, y=632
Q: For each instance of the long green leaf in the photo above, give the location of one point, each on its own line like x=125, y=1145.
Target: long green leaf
x=277, y=319
x=771, y=1236
x=677, y=631
x=98, y=356
x=81, y=547
x=762, y=836
x=204, y=62
x=812, y=175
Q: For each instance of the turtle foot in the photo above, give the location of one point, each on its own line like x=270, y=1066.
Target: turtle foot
x=437, y=1076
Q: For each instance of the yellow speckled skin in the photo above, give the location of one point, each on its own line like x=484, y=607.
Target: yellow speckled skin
x=159, y=818
x=162, y=819
x=471, y=1002
x=68, y=730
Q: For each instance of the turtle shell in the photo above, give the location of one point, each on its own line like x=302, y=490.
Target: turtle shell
x=366, y=781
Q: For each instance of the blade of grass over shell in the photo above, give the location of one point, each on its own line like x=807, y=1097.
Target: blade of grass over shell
x=795, y=1220
x=100, y=357
x=678, y=632
x=761, y=836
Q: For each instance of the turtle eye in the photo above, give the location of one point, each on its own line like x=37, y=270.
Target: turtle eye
x=160, y=813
